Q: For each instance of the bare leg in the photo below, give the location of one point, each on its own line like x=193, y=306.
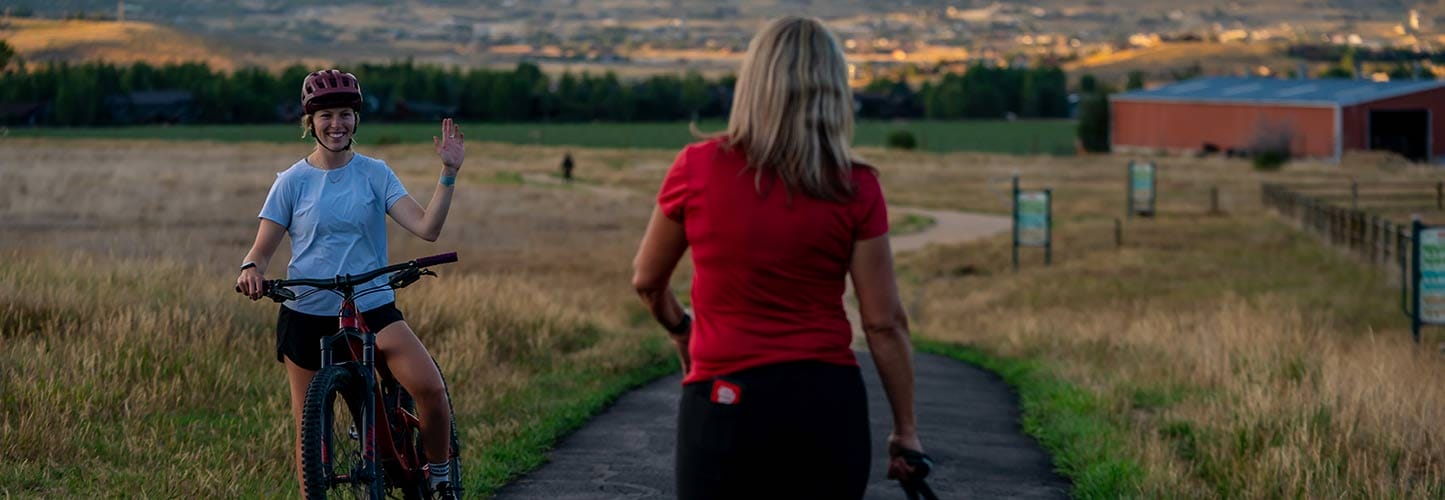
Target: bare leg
x=412, y=366
x=300, y=379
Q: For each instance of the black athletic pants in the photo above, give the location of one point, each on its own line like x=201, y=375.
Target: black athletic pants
x=794, y=430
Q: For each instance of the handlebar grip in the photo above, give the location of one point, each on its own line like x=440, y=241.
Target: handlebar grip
x=265, y=286
x=445, y=258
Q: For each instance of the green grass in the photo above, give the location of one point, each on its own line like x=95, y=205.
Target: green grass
x=1075, y=426
x=912, y=223
x=1021, y=137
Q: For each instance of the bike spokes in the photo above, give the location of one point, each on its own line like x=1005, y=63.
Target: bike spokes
x=342, y=451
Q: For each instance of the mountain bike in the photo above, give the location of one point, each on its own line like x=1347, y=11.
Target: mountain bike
x=360, y=436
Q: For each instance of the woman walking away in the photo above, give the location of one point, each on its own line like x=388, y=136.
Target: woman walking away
x=333, y=204
x=778, y=212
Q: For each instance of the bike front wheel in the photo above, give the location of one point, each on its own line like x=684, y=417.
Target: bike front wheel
x=333, y=453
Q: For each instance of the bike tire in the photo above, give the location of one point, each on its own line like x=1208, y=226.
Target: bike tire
x=331, y=445
x=422, y=492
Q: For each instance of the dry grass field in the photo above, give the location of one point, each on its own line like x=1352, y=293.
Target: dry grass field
x=1220, y=356
x=128, y=364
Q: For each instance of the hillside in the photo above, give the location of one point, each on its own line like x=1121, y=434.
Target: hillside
x=1164, y=60
x=43, y=40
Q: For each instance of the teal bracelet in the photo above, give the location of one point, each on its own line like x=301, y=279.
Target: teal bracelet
x=449, y=180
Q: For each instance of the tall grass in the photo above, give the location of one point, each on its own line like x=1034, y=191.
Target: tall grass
x=1238, y=357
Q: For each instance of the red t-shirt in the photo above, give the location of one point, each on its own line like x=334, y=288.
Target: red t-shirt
x=769, y=273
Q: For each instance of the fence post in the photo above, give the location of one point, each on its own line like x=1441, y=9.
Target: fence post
x=1371, y=231
x=1415, y=228
x=1385, y=240
x=1354, y=195
x=1439, y=195
x=1214, y=201
x=1118, y=234
x=1359, y=231
x=1334, y=225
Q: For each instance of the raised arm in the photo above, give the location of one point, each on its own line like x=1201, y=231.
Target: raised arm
x=662, y=246
x=427, y=223
x=886, y=327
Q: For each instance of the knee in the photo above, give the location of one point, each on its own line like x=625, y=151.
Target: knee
x=431, y=393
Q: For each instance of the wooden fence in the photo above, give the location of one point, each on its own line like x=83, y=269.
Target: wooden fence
x=1367, y=219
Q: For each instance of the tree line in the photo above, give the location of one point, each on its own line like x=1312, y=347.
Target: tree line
x=98, y=93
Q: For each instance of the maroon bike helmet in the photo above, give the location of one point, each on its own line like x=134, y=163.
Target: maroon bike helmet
x=330, y=88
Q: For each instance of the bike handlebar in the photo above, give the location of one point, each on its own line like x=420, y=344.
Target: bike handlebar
x=445, y=258
x=350, y=280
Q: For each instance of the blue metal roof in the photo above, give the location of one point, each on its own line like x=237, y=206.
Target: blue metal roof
x=1322, y=92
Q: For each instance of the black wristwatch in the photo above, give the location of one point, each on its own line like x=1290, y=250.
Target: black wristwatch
x=248, y=265
x=683, y=327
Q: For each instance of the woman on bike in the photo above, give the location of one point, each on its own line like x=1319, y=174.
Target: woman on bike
x=778, y=212
x=333, y=204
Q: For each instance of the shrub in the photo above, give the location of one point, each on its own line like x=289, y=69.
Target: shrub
x=902, y=139
x=1270, y=160
x=1271, y=147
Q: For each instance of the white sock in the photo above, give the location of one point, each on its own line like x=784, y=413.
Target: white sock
x=438, y=473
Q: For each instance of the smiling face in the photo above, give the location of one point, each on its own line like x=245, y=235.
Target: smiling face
x=334, y=127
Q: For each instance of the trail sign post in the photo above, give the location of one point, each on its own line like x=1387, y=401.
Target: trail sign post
x=1427, y=277
x=1033, y=221
x=1142, y=192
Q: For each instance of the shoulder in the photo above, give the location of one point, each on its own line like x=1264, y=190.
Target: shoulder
x=295, y=172
x=864, y=175
x=370, y=163
x=705, y=152
x=709, y=145
x=866, y=187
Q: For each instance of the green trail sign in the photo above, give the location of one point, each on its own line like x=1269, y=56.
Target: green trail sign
x=1427, y=277
x=1033, y=221
x=1142, y=192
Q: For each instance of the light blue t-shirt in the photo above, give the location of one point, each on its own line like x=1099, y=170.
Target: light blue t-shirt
x=337, y=223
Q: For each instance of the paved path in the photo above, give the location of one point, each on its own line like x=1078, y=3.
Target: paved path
x=949, y=227
x=968, y=420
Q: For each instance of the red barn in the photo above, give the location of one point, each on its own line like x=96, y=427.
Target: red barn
x=1318, y=118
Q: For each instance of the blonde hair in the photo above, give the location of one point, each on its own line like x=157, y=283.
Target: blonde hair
x=793, y=110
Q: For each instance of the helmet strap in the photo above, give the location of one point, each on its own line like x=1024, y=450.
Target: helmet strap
x=323, y=145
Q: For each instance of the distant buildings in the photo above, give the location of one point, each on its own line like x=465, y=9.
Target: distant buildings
x=1315, y=118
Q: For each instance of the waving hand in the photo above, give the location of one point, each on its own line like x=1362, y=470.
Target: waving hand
x=450, y=147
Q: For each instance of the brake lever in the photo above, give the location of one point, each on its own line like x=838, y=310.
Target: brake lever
x=404, y=278
x=280, y=294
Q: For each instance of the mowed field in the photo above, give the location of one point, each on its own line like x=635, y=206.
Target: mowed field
x=1054, y=137
x=1210, y=356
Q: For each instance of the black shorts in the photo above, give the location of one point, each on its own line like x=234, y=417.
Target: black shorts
x=796, y=430
x=298, y=335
